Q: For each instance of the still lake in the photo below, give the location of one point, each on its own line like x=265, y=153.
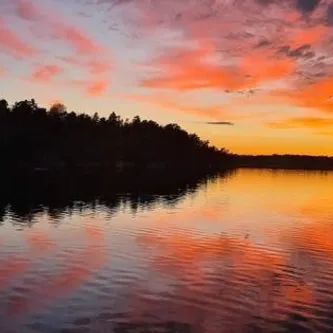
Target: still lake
x=245, y=251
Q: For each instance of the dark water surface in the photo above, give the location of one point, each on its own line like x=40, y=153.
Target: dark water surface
x=248, y=251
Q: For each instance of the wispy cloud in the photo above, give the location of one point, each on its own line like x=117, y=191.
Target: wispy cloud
x=13, y=44
x=58, y=28
x=223, y=123
x=88, y=55
x=167, y=103
x=303, y=122
x=46, y=73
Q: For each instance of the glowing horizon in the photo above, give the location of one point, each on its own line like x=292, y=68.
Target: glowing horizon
x=263, y=65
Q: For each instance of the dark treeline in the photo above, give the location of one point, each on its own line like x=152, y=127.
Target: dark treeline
x=34, y=137
x=302, y=162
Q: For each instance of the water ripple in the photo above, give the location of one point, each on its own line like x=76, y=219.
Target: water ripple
x=235, y=255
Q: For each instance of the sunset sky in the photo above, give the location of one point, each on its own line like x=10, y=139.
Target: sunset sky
x=266, y=66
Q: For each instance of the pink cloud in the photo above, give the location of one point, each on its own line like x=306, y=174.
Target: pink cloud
x=93, y=66
x=13, y=44
x=56, y=24
x=26, y=10
x=88, y=55
x=46, y=73
x=75, y=38
x=98, y=66
x=238, y=33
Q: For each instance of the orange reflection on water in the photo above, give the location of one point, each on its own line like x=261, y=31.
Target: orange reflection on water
x=280, y=271
x=188, y=252
x=255, y=249
x=218, y=272
x=316, y=239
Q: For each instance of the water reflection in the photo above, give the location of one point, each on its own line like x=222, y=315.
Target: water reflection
x=25, y=196
x=250, y=251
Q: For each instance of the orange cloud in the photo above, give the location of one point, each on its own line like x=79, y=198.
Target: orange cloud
x=316, y=95
x=13, y=44
x=261, y=67
x=198, y=68
x=212, y=112
x=309, y=36
x=191, y=69
x=97, y=88
x=46, y=73
x=305, y=122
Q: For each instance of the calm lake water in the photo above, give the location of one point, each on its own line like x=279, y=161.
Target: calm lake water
x=248, y=251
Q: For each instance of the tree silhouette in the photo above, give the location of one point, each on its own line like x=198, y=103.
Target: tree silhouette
x=33, y=137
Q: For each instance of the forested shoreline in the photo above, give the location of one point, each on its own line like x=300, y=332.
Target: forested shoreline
x=34, y=138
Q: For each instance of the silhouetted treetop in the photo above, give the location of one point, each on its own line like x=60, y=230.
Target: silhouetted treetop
x=32, y=136
x=58, y=108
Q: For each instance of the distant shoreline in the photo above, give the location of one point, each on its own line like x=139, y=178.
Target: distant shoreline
x=286, y=162
x=231, y=162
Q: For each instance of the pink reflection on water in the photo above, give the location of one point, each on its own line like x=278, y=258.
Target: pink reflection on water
x=40, y=241
x=79, y=268
x=12, y=268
